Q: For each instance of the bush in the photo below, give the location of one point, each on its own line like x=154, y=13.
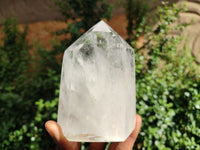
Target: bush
x=13, y=70
x=13, y=54
x=168, y=90
x=20, y=87
x=136, y=11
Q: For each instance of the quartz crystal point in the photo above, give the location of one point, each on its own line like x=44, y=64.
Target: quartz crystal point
x=97, y=100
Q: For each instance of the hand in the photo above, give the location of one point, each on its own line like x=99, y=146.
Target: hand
x=63, y=144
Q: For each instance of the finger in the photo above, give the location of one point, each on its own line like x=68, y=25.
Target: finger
x=128, y=144
x=97, y=146
x=133, y=136
x=56, y=133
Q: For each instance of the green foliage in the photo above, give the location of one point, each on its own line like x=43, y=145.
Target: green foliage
x=168, y=90
x=20, y=86
x=136, y=11
x=13, y=71
x=159, y=43
x=13, y=53
x=32, y=135
x=88, y=12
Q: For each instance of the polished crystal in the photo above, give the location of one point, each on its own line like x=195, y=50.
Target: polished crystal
x=97, y=100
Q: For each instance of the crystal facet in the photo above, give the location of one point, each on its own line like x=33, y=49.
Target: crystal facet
x=97, y=93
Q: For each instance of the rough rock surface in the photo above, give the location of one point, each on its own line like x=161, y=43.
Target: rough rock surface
x=192, y=31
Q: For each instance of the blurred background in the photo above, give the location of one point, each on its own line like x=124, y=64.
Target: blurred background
x=165, y=36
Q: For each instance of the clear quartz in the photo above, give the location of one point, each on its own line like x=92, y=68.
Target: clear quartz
x=97, y=100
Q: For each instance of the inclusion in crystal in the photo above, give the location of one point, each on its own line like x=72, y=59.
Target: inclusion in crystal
x=97, y=100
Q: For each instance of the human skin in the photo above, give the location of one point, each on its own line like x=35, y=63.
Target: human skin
x=63, y=144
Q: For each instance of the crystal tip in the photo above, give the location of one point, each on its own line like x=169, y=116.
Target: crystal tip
x=101, y=26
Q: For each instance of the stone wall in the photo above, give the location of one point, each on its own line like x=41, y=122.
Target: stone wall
x=192, y=32
x=28, y=10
